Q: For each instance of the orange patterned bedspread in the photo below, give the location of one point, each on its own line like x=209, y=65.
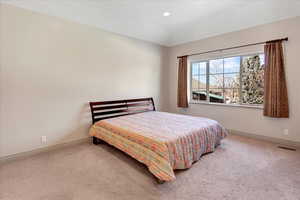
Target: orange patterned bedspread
x=162, y=141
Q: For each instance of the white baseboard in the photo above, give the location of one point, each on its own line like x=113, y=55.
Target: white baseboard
x=266, y=138
x=41, y=150
x=74, y=142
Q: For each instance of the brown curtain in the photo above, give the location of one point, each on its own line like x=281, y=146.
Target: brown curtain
x=182, y=100
x=276, y=97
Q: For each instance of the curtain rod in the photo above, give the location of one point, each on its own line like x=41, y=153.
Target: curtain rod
x=245, y=45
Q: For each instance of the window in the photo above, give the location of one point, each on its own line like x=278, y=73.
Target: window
x=232, y=80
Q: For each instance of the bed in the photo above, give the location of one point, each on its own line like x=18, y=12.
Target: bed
x=162, y=141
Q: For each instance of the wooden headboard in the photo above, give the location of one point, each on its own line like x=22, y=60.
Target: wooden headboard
x=109, y=109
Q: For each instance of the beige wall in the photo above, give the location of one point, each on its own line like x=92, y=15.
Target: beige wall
x=51, y=68
x=245, y=119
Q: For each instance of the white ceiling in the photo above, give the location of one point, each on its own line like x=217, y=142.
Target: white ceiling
x=143, y=19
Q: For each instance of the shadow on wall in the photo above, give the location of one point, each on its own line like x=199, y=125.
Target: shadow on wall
x=80, y=126
x=164, y=79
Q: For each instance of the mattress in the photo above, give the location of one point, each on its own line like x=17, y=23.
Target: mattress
x=162, y=141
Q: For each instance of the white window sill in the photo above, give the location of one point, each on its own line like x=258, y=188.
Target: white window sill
x=227, y=105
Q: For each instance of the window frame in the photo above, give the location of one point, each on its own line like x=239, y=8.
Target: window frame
x=207, y=101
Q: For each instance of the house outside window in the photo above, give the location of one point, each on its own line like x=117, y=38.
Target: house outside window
x=236, y=80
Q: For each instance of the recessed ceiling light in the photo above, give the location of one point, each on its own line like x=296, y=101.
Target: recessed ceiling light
x=167, y=14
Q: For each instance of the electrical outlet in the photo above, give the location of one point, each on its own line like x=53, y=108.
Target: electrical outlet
x=285, y=131
x=44, y=139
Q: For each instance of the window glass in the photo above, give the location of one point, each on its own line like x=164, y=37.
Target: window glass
x=199, y=79
x=232, y=80
x=252, y=82
x=216, y=96
x=199, y=68
x=262, y=59
x=232, y=65
x=216, y=66
x=231, y=96
x=216, y=81
x=195, y=83
x=202, y=68
x=199, y=95
x=195, y=69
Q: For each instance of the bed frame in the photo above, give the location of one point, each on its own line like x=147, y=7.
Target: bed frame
x=109, y=109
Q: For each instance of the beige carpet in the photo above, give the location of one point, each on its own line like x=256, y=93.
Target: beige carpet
x=240, y=168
